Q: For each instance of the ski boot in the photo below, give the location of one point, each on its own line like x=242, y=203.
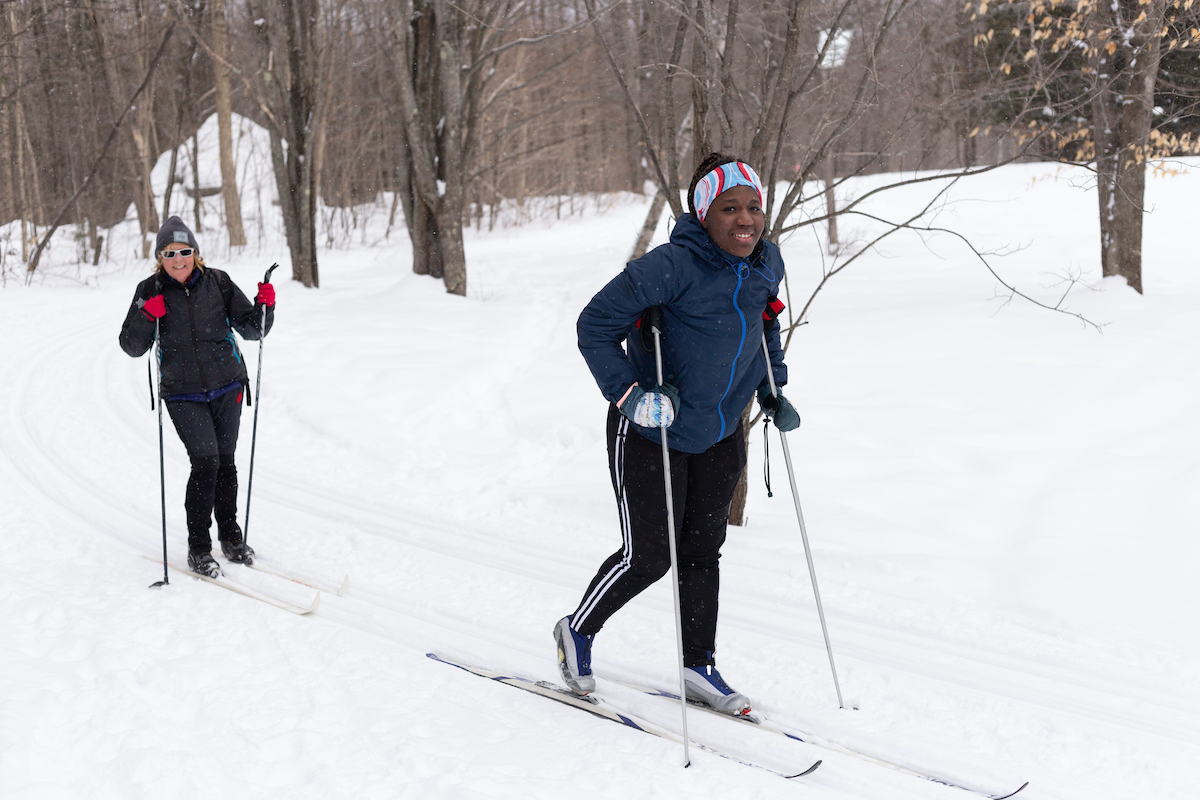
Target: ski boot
x=204, y=564
x=704, y=684
x=574, y=658
x=238, y=553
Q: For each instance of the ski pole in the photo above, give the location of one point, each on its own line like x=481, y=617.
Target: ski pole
x=812, y=571
x=262, y=334
x=162, y=469
x=656, y=328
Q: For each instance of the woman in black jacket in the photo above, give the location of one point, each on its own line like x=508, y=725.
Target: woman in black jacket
x=196, y=309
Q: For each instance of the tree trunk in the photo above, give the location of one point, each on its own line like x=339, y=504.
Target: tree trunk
x=8, y=201
x=224, y=102
x=831, y=204
x=20, y=198
x=130, y=149
x=1121, y=118
x=37, y=22
x=427, y=256
x=634, y=146
x=737, y=509
x=143, y=138
x=702, y=85
x=451, y=166
x=670, y=133
x=138, y=155
x=428, y=63
x=195, y=160
x=415, y=68
x=650, y=225
x=176, y=140
x=291, y=230
x=288, y=60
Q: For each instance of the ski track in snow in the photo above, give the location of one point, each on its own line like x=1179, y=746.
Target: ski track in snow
x=471, y=505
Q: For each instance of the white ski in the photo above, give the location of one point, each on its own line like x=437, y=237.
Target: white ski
x=311, y=583
x=601, y=708
x=762, y=723
x=246, y=591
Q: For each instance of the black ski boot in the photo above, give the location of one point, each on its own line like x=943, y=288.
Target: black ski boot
x=239, y=553
x=204, y=564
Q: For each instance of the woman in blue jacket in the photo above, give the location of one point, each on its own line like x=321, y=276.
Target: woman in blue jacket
x=712, y=283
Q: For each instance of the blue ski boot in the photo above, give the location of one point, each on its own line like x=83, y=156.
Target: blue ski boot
x=705, y=685
x=574, y=657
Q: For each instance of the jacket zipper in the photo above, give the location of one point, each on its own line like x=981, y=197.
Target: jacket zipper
x=741, y=344
x=195, y=344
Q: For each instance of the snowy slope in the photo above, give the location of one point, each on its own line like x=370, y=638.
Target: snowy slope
x=1001, y=501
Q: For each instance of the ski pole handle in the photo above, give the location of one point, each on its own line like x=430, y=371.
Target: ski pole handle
x=771, y=313
x=262, y=325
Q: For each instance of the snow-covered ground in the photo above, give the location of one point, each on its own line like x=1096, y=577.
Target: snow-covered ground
x=1002, y=503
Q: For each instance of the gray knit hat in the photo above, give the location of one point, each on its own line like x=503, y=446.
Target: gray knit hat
x=174, y=231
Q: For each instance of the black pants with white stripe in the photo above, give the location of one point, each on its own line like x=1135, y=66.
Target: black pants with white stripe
x=702, y=487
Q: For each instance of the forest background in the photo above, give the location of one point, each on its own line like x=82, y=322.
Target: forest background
x=459, y=107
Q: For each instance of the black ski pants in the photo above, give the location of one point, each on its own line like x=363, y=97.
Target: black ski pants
x=702, y=486
x=209, y=432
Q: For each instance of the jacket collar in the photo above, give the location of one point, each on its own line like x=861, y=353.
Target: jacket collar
x=193, y=279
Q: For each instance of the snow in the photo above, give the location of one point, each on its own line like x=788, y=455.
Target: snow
x=1001, y=502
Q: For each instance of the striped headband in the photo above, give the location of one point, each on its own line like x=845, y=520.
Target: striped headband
x=721, y=179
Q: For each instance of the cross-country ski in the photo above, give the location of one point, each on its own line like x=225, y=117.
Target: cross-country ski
x=303, y=578
x=761, y=723
x=605, y=710
x=254, y=593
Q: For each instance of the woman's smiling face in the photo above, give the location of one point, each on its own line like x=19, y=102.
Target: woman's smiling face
x=179, y=266
x=735, y=221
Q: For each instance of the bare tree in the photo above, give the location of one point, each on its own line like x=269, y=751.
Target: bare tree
x=229, y=187
x=53, y=225
x=288, y=65
x=134, y=144
x=445, y=57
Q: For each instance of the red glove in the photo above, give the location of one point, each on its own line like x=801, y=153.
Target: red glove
x=266, y=294
x=155, y=307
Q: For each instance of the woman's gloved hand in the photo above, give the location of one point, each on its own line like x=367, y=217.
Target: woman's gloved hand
x=266, y=295
x=653, y=409
x=778, y=409
x=155, y=307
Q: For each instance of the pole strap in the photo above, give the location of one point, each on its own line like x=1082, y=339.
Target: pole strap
x=771, y=313
x=767, y=455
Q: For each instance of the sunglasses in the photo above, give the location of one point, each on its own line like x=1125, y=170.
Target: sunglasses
x=185, y=252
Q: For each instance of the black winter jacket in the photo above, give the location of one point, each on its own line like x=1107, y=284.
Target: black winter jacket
x=199, y=353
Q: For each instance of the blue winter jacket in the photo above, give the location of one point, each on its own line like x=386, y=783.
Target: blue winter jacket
x=712, y=306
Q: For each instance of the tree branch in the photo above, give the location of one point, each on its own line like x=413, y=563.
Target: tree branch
x=37, y=254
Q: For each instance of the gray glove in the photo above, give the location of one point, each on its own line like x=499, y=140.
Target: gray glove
x=778, y=410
